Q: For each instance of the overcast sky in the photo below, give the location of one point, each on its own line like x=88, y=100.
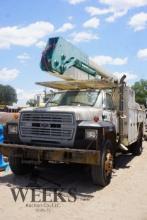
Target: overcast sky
x=112, y=32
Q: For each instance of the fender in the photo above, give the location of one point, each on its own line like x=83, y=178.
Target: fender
x=106, y=129
x=107, y=125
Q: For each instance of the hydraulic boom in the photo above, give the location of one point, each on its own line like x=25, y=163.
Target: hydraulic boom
x=60, y=56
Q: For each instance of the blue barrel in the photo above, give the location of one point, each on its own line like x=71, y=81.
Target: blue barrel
x=1, y=134
x=3, y=165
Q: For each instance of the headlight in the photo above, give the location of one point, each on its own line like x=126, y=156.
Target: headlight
x=12, y=129
x=91, y=134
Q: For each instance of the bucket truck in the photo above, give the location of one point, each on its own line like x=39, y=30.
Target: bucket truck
x=91, y=117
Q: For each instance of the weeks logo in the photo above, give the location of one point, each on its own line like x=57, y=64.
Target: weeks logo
x=43, y=195
x=43, y=199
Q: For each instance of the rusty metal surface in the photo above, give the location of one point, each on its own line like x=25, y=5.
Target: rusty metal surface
x=66, y=155
x=7, y=117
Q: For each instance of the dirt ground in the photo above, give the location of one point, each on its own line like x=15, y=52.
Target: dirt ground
x=125, y=198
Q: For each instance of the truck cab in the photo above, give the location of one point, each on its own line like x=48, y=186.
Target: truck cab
x=56, y=124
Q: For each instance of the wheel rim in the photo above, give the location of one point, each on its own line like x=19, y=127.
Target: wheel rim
x=108, y=163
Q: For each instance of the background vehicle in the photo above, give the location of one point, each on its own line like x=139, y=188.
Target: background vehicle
x=8, y=113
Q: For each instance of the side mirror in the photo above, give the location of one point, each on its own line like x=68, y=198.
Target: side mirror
x=104, y=106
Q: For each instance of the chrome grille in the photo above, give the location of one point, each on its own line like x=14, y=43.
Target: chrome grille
x=47, y=126
x=48, y=117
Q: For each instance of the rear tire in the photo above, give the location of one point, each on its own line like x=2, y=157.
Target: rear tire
x=137, y=148
x=16, y=165
x=101, y=174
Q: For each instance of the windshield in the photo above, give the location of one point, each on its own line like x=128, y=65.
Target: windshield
x=73, y=98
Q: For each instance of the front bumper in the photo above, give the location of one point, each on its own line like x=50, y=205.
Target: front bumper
x=66, y=155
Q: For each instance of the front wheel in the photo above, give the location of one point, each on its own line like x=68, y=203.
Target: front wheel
x=16, y=165
x=101, y=174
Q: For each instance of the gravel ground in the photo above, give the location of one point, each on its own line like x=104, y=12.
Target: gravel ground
x=125, y=198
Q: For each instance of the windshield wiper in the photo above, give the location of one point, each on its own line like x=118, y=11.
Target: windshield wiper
x=80, y=103
x=52, y=102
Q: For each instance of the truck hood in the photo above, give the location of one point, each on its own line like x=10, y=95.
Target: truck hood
x=81, y=112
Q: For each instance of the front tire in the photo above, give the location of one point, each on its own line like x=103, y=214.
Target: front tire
x=101, y=174
x=16, y=165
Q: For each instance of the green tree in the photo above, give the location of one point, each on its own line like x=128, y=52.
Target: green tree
x=32, y=102
x=8, y=95
x=140, y=88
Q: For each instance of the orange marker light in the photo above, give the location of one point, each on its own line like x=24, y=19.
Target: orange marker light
x=96, y=118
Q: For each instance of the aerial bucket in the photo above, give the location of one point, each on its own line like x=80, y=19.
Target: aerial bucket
x=3, y=164
x=62, y=59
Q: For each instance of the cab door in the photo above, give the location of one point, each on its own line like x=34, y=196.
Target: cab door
x=109, y=113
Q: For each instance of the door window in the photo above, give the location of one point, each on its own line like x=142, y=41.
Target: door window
x=109, y=102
